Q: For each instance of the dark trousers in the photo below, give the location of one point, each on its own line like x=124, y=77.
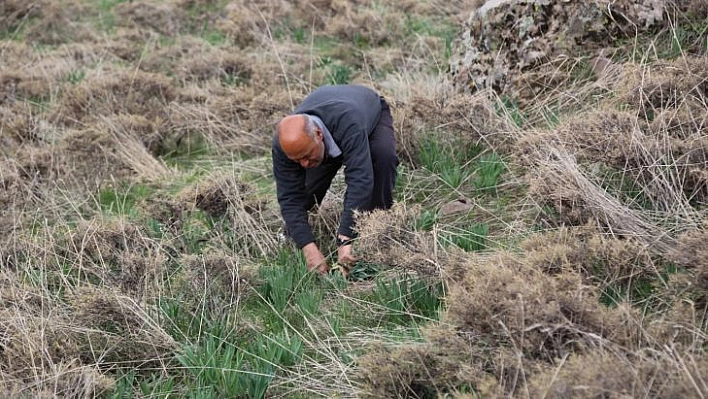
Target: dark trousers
x=382, y=145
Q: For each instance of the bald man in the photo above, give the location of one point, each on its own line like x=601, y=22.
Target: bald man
x=339, y=125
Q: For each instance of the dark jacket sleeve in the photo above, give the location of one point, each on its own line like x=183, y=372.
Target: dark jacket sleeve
x=290, y=186
x=358, y=175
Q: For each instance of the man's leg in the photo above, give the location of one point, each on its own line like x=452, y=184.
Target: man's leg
x=382, y=145
x=317, y=182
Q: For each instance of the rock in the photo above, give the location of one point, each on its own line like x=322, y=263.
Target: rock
x=504, y=39
x=457, y=206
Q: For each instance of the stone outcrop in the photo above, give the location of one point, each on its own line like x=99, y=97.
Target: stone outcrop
x=504, y=39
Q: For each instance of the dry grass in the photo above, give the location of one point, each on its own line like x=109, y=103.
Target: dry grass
x=110, y=101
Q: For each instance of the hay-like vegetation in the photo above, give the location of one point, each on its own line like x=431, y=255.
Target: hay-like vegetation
x=547, y=238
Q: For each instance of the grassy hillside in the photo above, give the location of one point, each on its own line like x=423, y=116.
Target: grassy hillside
x=544, y=247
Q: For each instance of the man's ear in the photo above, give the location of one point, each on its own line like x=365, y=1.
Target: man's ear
x=318, y=132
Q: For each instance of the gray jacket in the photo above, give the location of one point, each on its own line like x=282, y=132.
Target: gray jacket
x=351, y=114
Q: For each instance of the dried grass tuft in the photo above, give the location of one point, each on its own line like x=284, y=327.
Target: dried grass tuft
x=390, y=238
x=608, y=374
x=691, y=254
x=129, y=92
x=507, y=303
x=118, y=252
x=252, y=225
x=164, y=17
x=118, y=329
x=417, y=370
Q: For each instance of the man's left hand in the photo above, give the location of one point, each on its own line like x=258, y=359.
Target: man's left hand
x=344, y=253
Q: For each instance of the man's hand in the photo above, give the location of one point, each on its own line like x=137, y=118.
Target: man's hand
x=344, y=253
x=315, y=260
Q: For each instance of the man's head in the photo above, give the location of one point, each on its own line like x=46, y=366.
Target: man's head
x=301, y=140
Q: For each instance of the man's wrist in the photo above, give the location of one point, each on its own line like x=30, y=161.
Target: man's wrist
x=343, y=241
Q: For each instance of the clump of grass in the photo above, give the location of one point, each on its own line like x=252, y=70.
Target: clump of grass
x=122, y=200
x=405, y=299
x=470, y=239
x=449, y=160
x=336, y=73
x=217, y=367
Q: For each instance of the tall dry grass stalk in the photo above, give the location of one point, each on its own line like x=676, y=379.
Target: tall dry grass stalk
x=563, y=173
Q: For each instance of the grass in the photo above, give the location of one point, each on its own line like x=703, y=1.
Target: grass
x=188, y=303
x=221, y=356
x=448, y=160
x=122, y=200
x=336, y=72
x=107, y=19
x=470, y=239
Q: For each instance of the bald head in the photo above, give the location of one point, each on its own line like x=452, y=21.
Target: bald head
x=300, y=140
x=293, y=136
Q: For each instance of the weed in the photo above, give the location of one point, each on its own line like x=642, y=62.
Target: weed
x=159, y=386
x=107, y=19
x=625, y=186
x=473, y=238
x=299, y=35
x=281, y=349
x=214, y=37
x=489, y=171
x=124, y=387
x=289, y=291
x=186, y=150
x=509, y=109
x=449, y=160
x=407, y=299
x=426, y=220
x=229, y=79
x=337, y=73
x=178, y=321
x=309, y=302
x=639, y=290
x=217, y=364
x=197, y=228
x=426, y=27
x=76, y=76
x=122, y=200
x=634, y=291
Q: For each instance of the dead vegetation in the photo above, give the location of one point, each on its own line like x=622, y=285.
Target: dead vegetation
x=606, y=298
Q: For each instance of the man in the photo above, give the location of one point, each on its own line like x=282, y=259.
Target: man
x=339, y=125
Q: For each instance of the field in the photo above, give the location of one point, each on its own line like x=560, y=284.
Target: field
x=547, y=238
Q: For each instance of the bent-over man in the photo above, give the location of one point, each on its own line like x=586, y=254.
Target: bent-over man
x=338, y=125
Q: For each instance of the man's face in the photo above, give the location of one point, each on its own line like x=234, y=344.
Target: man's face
x=312, y=154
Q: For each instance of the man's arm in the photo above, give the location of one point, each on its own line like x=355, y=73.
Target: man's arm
x=358, y=176
x=292, y=197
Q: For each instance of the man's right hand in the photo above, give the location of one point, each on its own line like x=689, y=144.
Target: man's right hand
x=315, y=260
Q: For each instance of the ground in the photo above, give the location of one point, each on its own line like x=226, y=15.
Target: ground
x=546, y=238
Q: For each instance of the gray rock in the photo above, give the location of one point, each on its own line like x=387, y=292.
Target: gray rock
x=504, y=39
